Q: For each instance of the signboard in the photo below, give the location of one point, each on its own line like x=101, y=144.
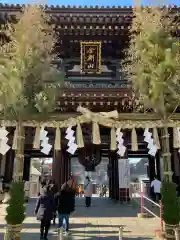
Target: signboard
x=124, y=173
x=99, y=85
x=91, y=57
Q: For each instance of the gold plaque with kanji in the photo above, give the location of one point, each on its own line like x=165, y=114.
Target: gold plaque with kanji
x=91, y=57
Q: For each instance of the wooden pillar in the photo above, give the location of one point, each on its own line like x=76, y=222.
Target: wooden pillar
x=115, y=175
x=112, y=174
x=59, y=175
x=109, y=169
x=151, y=167
x=117, y=193
x=2, y=165
x=151, y=171
x=176, y=164
x=56, y=168
x=67, y=165
x=158, y=166
x=27, y=166
x=124, y=192
x=175, y=158
x=68, y=168
x=9, y=165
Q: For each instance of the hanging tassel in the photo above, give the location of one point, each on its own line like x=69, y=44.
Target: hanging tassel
x=176, y=140
x=36, y=143
x=113, y=146
x=79, y=136
x=57, y=143
x=156, y=138
x=14, y=145
x=96, y=133
x=134, y=146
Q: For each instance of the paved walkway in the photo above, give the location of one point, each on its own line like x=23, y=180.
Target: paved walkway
x=101, y=221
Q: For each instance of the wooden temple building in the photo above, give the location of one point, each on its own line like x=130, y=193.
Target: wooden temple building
x=102, y=89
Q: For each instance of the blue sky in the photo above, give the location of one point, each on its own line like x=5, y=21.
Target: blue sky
x=92, y=2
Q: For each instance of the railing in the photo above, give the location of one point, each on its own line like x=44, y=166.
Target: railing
x=147, y=205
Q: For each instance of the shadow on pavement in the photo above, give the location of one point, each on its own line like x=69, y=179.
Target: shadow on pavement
x=72, y=226
x=100, y=208
x=79, y=235
x=35, y=236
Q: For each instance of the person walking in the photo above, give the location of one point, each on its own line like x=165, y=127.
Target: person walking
x=104, y=191
x=68, y=183
x=87, y=191
x=156, y=186
x=65, y=202
x=44, y=211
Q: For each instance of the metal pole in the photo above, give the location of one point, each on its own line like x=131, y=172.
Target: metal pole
x=60, y=234
x=176, y=233
x=121, y=233
x=142, y=199
x=142, y=203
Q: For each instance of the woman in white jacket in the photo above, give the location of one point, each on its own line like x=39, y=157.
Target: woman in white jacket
x=87, y=191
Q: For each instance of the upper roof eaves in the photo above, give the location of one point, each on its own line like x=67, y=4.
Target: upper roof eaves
x=18, y=6
x=81, y=10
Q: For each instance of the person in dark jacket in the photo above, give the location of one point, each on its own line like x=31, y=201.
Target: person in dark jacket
x=65, y=202
x=44, y=211
x=54, y=191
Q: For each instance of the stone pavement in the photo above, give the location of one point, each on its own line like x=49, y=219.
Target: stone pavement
x=101, y=221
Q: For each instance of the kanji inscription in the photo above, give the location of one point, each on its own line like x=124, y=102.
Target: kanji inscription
x=91, y=57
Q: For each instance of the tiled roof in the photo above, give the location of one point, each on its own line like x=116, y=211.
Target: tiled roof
x=68, y=15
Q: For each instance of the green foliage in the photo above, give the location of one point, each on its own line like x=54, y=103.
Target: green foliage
x=15, y=212
x=153, y=60
x=171, y=204
x=46, y=99
x=26, y=65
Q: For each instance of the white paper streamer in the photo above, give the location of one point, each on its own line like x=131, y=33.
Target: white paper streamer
x=150, y=141
x=4, y=147
x=120, y=143
x=72, y=146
